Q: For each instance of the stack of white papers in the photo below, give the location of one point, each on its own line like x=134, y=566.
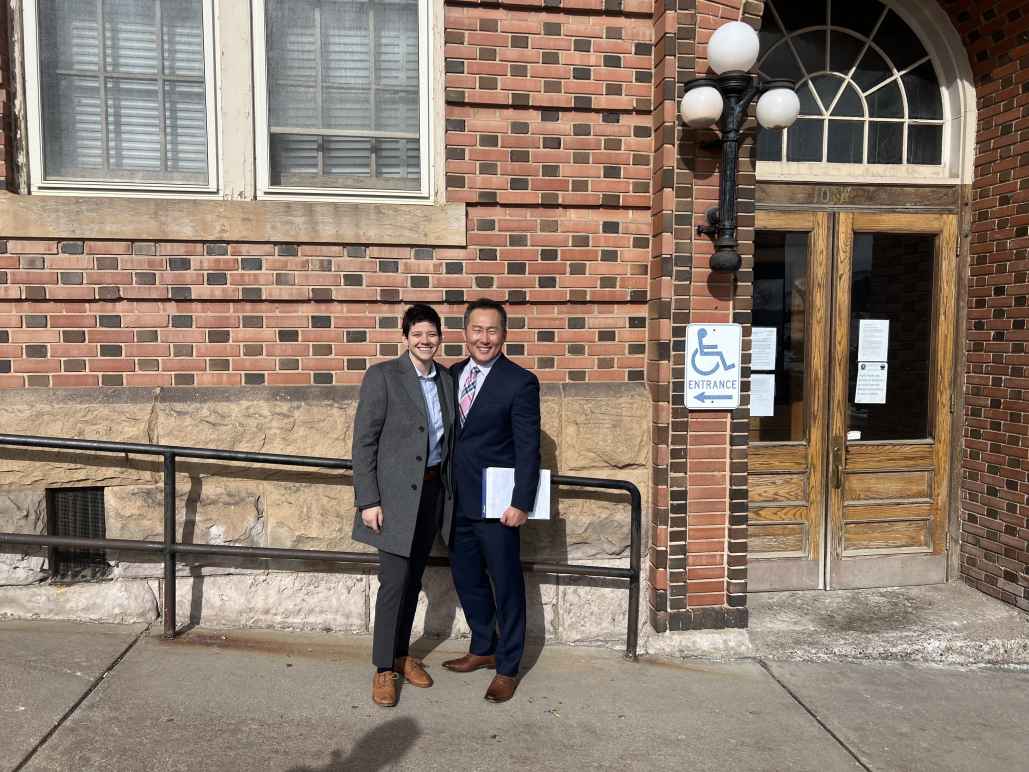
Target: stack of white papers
x=498, y=486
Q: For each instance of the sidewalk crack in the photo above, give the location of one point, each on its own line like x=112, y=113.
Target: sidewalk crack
x=92, y=688
x=813, y=715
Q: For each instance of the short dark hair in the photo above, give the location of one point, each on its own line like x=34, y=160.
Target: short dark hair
x=491, y=305
x=420, y=312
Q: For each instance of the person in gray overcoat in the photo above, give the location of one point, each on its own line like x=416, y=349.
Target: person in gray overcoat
x=403, y=433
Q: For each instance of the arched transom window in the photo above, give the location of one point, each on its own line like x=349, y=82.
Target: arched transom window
x=869, y=93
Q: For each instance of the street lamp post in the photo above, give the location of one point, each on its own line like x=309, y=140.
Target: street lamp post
x=732, y=51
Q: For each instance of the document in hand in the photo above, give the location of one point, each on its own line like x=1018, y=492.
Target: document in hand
x=498, y=485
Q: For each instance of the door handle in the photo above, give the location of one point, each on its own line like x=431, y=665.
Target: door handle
x=837, y=464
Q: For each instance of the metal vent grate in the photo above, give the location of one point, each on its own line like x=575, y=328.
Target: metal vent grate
x=76, y=512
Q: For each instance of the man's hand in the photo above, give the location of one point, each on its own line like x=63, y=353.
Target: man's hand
x=514, y=517
x=372, y=517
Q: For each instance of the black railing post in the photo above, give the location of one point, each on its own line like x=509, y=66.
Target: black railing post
x=169, y=545
x=635, y=547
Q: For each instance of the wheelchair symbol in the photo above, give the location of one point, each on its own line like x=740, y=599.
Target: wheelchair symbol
x=708, y=350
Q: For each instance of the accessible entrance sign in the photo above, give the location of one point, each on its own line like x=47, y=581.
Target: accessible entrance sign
x=713, y=366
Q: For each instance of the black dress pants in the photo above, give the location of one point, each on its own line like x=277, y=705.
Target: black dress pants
x=400, y=581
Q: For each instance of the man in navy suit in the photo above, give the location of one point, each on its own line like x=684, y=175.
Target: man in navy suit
x=498, y=416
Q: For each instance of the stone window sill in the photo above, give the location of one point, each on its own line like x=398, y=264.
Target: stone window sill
x=158, y=219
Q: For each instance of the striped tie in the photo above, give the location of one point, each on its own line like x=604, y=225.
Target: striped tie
x=468, y=392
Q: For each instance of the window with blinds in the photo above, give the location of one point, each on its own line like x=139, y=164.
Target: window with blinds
x=124, y=92
x=345, y=102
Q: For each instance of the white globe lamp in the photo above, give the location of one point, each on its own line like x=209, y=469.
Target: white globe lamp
x=701, y=106
x=731, y=52
x=779, y=106
x=733, y=48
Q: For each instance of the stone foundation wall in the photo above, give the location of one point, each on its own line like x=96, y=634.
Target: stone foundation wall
x=588, y=430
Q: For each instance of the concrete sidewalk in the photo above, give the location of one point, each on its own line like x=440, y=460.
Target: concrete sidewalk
x=95, y=697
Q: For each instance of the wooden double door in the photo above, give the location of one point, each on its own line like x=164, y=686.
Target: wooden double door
x=851, y=399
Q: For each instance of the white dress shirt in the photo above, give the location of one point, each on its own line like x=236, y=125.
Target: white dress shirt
x=479, y=379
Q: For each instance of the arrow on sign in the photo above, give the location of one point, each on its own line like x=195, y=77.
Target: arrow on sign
x=705, y=397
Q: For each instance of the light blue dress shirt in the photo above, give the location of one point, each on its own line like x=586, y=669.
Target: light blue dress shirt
x=435, y=411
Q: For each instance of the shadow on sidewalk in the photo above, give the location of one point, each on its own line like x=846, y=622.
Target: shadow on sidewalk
x=382, y=747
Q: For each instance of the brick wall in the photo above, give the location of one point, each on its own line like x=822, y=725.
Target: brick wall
x=663, y=261
x=548, y=142
x=995, y=451
x=82, y=314
x=698, y=561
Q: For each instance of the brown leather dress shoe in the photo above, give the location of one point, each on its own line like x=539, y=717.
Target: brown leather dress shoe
x=501, y=688
x=413, y=671
x=470, y=662
x=384, y=689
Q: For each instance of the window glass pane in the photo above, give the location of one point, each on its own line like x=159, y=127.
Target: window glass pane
x=185, y=111
x=343, y=94
x=885, y=142
x=769, y=34
x=923, y=93
x=130, y=37
x=846, y=142
x=142, y=115
x=872, y=71
x=796, y=15
x=844, y=51
x=811, y=50
x=769, y=144
x=899, y=41
x=348, y=157
x=74, y=130
x=886, y=102
x=348, y=108
x=780, y=302
x=925, y=144
x=808, y=103
x=181, y=26
x=858, y=16
x=804, y=140
x=827, y=86
x=893, y=281
x=781, y=63
x=134, y=125
x=295, y=154
x=850, y=104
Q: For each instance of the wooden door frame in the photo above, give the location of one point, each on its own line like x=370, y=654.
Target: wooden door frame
x=778, y=212
x=930, y=567
x=808, y=572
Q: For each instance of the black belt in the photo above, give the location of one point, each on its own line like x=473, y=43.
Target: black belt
x=431, y=472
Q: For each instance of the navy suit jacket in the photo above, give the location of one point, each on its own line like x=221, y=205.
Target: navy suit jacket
x=501, y=429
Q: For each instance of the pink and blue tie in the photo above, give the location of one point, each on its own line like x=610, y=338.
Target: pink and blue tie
x=468, y=392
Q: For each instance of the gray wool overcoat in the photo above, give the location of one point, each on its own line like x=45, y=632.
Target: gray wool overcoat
x=391, y=448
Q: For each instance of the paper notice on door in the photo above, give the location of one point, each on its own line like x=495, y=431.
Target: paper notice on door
x=871, y=383
x=873, y=340
x=762, y=348
x=762, y=394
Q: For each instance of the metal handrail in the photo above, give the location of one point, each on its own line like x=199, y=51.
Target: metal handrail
x=169, y=548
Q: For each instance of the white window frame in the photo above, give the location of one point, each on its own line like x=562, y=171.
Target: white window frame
x=426, y=111
x=34, y=121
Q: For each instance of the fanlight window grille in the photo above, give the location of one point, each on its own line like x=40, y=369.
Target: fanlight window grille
x=869, y=93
